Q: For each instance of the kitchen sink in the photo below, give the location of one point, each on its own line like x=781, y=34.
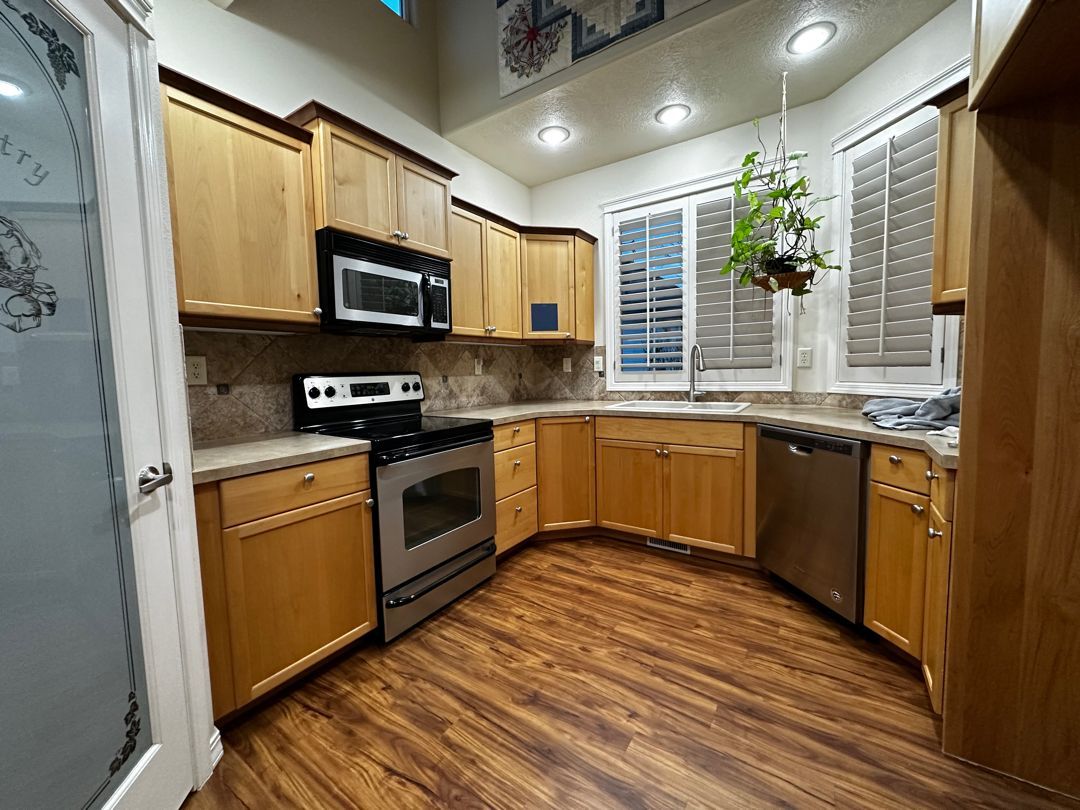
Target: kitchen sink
x=661, y=406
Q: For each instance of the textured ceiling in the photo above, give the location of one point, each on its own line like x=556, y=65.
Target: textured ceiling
x=726, y=68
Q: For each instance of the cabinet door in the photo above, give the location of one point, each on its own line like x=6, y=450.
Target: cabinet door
x=547, y=286
x=896, y=566
x=423, y=209
x=566, y=472
x=936, y=605
x=243, y=215
x=703, y=497
x=629, y=486
x=503, y=298
x=467, y=284
x=953, y=206
x=584, y=279
x=300, y=586
x=358, y=184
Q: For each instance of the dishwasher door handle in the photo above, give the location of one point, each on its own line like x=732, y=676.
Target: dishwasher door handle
x=800, y=451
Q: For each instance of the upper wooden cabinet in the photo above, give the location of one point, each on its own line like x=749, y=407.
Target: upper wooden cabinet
x=566, y=472
x=502, y=281
x=953, y=207
x=368, y=185
x=243, y=209
x=468, y=290
x=556, y=287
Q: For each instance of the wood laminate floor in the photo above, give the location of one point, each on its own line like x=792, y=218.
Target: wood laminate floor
x=596, y=674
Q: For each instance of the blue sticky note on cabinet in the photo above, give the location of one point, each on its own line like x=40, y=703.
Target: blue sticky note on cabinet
x=545, y=317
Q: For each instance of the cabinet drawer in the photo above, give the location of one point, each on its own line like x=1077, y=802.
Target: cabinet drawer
x=942, y=489
x=692, y=432
x=515, y=470
x=515, y=434
x=900, y=467
x=255, y=496
x=515, y=519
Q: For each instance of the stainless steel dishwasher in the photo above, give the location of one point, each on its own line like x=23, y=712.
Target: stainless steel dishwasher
x=811, y=506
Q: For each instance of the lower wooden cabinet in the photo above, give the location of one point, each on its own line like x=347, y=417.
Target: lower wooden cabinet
x=566, y=474
x=703, y=488
x=515, y=519
x=896, y=541
x=630, y=487
x=936, y=605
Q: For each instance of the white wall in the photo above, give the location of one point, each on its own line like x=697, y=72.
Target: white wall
x=578, y=199
x=279, y=54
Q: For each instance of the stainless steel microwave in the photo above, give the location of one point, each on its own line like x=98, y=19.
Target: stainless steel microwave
x=368, y=287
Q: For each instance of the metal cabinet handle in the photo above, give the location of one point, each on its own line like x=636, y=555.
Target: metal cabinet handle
x=895, y=460
x=317, y=312
x=397, y=234
x=150, y=479
x=517, y=429
x=517, y=462
x=588, y=419
x=658, y=451
x=666, y=454
x=932, y=533
x=517, y=508
x=931, y=475
x=918, y=510
x=370, y=502
x=568, y=334
x=309, y=477
x=405, y=235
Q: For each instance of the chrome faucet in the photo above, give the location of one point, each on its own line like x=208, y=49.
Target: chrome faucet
x=696, y=364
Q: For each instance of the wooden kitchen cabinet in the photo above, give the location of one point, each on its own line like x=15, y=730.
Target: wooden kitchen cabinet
x=953, y=207
x=566, y=473
x=502, y=288
x=468, y=288
x=630, y=487
x=935, y=605
x=556, y=287
x=369, y=185
x=896, y=545
x=703, y=497
x=243, y=210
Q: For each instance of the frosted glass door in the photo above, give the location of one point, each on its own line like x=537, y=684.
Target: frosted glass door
x=73, y=705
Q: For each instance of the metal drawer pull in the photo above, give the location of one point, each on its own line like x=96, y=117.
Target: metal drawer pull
x=517, y=430
x=370, y=503
x=931, y=475
x=309, y=477
x=918, y=510
x=517, y=508
x=895, y=460
x=932, y=533
x=517, y=462
x=588, y=418
x=317, y=311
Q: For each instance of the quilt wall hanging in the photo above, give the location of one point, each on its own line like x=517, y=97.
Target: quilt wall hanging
x=540, y=37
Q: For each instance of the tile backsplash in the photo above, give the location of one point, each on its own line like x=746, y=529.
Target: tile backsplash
x=258, y=369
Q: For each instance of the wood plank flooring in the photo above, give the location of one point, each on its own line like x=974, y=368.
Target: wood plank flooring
x=593, y=674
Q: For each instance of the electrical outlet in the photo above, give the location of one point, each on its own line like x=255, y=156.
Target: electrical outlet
x=597, y=363
x=804, y=358
x=567, y=365
x=196, y=370
x=478, y=366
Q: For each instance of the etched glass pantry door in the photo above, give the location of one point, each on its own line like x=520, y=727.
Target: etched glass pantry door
x=91, y=691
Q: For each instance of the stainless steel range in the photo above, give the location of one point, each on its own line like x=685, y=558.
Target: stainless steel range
x=434, y=481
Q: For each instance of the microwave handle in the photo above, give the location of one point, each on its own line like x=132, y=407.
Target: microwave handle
x=425, y=300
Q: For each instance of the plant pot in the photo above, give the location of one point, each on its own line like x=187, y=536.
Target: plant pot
x=784, y=273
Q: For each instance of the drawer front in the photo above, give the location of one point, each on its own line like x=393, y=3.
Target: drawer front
x=256, y=496
x=942, y=490
x=691, y=432
x=900, y=467
x=515, y=434
x=515, y=470
x=515, y=519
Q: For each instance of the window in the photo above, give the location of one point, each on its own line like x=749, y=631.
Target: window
x=399, y=7
x=890, y=341
x=667, y=293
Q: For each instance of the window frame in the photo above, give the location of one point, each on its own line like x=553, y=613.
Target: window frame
x=408, y=11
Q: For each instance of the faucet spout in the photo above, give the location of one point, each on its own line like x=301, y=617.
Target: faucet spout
x=697, y=365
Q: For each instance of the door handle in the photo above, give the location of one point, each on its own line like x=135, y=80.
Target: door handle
x=150, y=479
x=799, y=451
x=918, y=510
x=932, y=533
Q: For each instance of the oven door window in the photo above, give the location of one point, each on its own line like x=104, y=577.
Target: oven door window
x=440, y=504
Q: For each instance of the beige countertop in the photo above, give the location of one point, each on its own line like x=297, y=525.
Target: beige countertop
x=214, y=461
x=835, y=421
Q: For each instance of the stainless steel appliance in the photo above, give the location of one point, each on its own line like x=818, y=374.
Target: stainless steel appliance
x=811, y=505
x=434, y=486
x=369, y=287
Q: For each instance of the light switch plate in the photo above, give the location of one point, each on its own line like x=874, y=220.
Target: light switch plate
x=567, y=365
x=478, y=366
x=804, y=358
x=597, y=363
x=196, y=369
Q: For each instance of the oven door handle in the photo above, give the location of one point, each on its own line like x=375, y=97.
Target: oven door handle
x=400, y=601
x=397, y=456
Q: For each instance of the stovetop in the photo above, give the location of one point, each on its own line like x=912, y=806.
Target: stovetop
x=385, y=434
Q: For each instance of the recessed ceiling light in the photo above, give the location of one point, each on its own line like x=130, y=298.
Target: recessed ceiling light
x=672, y=114
x=553, y=136
x=10, y=89
x=811, y=38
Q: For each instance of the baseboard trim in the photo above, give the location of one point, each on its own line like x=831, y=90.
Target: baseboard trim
x=217, y=751
x=638, y=540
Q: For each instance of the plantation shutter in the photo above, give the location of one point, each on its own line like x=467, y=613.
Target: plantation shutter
x=735, y=326
x=649, y=278
x=889, y=319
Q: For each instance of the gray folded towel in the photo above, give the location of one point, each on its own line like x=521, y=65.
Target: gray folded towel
x=939, y=411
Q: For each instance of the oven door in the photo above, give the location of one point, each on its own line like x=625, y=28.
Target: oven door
x=432, y=508
x=372, y=293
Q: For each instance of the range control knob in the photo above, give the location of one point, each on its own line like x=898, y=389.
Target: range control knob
x=329, y=390
x=416, y=386
x=313, y=392
x=405, y=388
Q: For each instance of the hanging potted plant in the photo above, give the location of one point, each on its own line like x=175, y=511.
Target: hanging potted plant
x=774, y=245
